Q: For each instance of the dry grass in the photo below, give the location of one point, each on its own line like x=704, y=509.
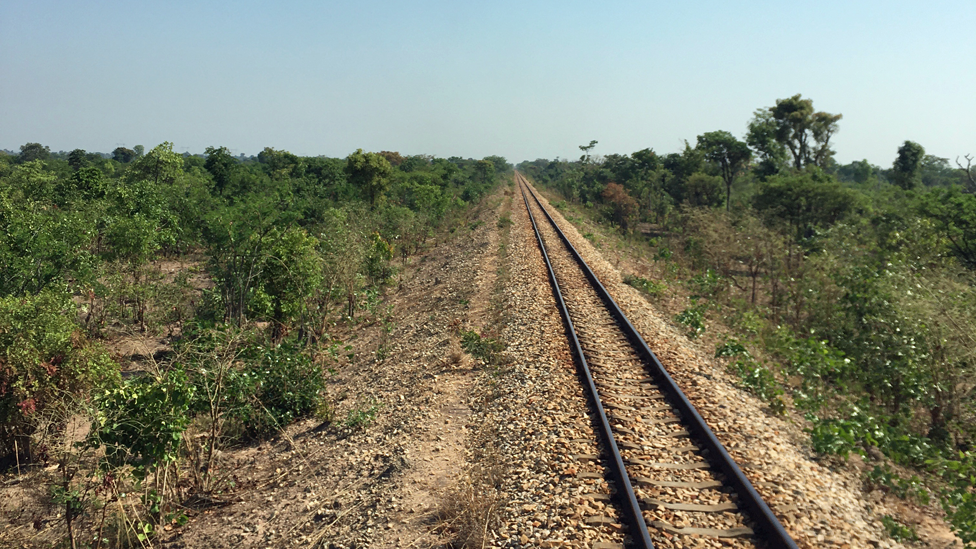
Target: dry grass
x=455, y=358
x=471, y=509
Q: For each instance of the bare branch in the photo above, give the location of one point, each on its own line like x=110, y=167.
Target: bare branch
x=969, y=170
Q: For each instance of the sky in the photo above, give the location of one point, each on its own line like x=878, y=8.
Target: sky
x=523, y=80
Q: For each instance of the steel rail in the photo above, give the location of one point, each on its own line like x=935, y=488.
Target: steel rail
x=768, y=527
x=638, y=530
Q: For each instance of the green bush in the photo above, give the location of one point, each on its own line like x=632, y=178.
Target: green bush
x=959, y=500
x=141, y=422
x=46, y=364
x=897, y=530
x=694, y=319
x=752, y=375
x=902, y=487
x=485, y=348
x=647, y=286
x=253, y=387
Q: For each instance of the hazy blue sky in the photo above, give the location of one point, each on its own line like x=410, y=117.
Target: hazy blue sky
x=520, y=79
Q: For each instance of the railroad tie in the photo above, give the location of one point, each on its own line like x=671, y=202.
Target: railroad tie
x=739, y=532
x=696, y=507
x=678, y=484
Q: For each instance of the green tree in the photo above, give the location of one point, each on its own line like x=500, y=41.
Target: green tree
x=938, y=172
x=160, y=166
x=794, y=124
x=77, y=159
x=123, y=155
x=646, y=162
x=906, y=170
x=291, y=275
x=370, y=172
x=803, y=202
x=42, y=246
x=731, y=155
x=501, y=165
x=221, y=166
x=954, y=215
x=280, y=164
x=681, y=167
x=585, y=159
x=139, y=150
x=762, y=138
x=702, y=190
x=33, y=151
x=485, y=170
x=237, y=236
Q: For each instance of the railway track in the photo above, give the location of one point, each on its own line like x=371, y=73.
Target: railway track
x=674, y=483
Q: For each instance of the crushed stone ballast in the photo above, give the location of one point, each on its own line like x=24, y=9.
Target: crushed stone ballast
x=679, y=484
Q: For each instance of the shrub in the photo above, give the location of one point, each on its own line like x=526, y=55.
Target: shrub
x=694, y=319
x=897, y=530
x=46, y=364
x=647, y=286
x=752, y=375
x=485, y=348
x=624, y=207
x=141, y=422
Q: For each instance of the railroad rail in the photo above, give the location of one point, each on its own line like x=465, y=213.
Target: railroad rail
x=673, y=477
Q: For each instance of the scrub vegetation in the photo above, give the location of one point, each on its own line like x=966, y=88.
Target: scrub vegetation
x=245, y=267
x=847, y=290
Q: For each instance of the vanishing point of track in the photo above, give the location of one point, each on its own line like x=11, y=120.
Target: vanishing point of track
x=675, y=483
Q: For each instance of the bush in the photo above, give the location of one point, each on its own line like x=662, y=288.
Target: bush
x=141, y=422
x=259, y=389
x=694, y=319
x=647, y=286
x=485, y=348
x=46, y=364
x=752, y=375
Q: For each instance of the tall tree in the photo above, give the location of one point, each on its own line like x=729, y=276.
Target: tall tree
x=78, y=159
x=585, y=159
x=762, y=138
x=33, y=151
x=794, y=124
x=221, y=166
x=906, y=170
x=123, y=155
x=731, y=155
x=485, y=170
x=370, y=172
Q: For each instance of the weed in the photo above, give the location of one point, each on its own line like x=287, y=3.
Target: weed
x=904, y=488
x=361, y=418
x=504, y=221
x=897, y=530
x=706, y=284
x=485, y=348
x=647, y=286
x=752, y=375
x=694, y=319
x=471, y=509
